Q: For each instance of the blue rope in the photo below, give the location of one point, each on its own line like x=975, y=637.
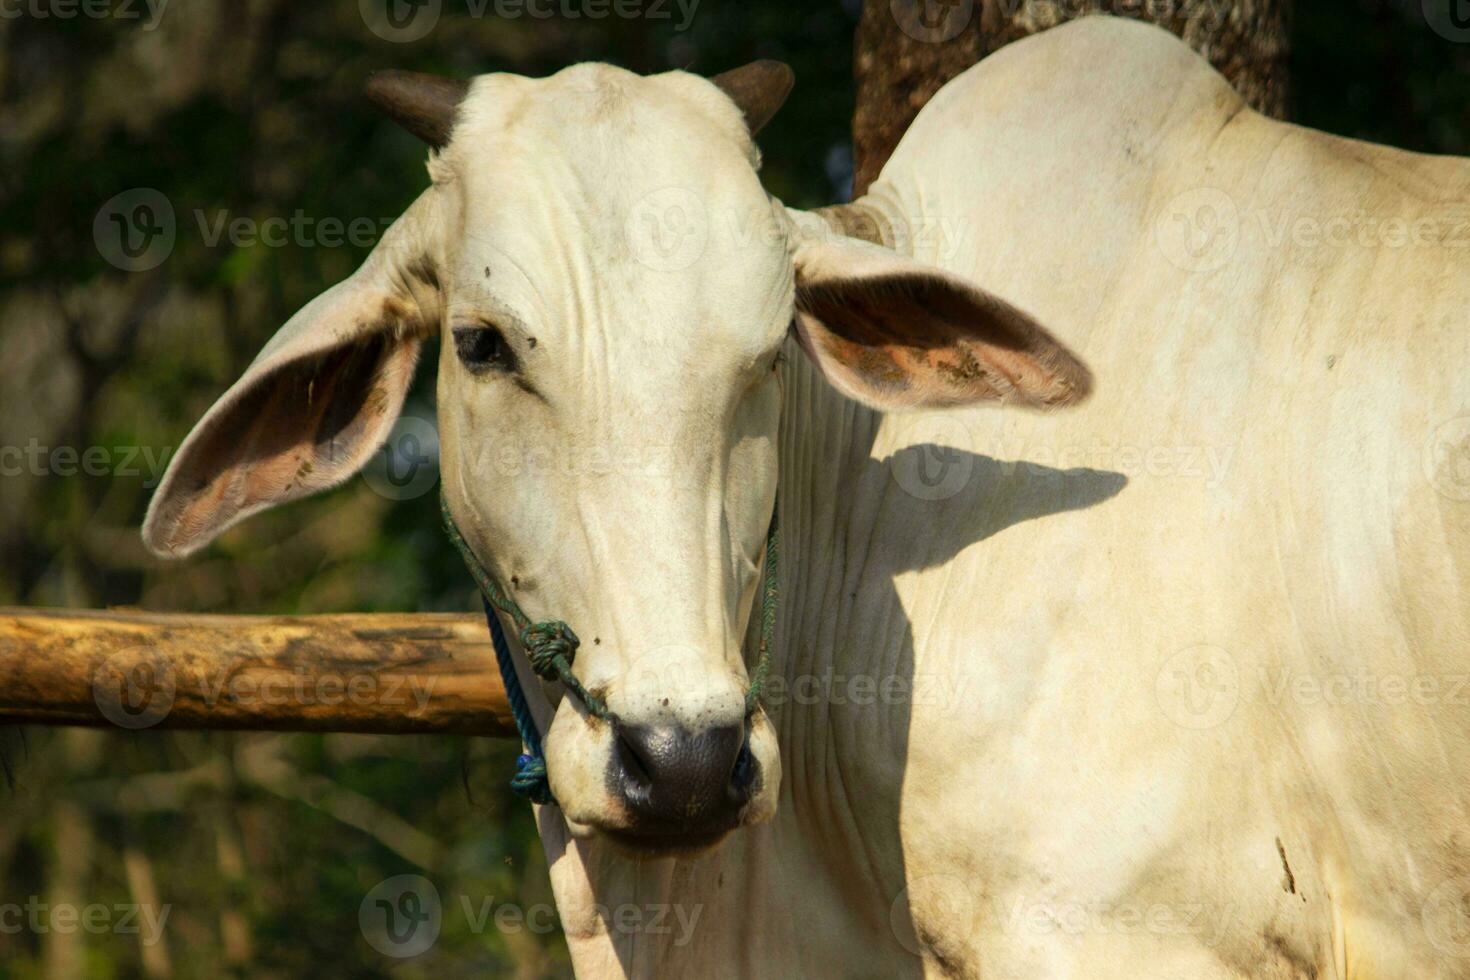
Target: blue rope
x=530, y=779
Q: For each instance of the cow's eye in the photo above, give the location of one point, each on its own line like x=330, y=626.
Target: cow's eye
x=483, y=348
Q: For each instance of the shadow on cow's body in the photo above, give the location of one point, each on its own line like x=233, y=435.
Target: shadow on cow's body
x=843, y=691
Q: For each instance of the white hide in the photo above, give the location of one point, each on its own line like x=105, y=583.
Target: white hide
x=1188, y=664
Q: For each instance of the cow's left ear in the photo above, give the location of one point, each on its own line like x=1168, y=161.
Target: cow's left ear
x=896, y=334
x=316, y=403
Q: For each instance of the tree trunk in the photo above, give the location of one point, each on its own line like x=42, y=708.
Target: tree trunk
x=906, y=49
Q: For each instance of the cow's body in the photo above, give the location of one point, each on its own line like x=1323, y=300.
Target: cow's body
x=1189, y=660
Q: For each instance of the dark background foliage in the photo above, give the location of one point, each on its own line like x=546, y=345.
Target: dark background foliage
x=263, y=846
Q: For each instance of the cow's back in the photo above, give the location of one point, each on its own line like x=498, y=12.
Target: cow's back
x=1220, y=615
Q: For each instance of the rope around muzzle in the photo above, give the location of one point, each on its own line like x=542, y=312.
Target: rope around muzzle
x=551, y=648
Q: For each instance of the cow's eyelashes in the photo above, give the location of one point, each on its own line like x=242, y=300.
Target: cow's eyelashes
x=483, y=348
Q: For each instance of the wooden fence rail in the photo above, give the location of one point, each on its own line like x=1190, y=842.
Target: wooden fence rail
x=380, y=673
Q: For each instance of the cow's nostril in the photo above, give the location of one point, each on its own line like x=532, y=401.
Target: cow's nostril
x=743, y=774
x=672, y=779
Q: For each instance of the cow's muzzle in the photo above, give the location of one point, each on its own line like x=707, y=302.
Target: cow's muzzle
x=680, y=790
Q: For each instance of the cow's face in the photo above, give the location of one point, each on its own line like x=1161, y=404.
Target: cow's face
x=612, y=289
x=608, y=407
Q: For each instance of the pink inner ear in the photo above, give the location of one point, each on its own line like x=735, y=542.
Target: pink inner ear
x=914, y=340
x=298, y=429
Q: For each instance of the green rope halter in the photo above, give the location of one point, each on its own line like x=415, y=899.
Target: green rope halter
x=551, y=647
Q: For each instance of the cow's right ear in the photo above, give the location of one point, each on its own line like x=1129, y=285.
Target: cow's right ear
x=316, y=403
x=895, y=334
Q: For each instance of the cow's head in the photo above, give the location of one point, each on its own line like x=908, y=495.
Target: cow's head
x=613, y=290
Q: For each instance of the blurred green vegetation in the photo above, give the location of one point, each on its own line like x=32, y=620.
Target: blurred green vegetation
x=264, y=846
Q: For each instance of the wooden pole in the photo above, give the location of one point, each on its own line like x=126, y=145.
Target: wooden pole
x=380, y=673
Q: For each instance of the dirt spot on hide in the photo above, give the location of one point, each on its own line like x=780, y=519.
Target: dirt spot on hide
x=1288, y=883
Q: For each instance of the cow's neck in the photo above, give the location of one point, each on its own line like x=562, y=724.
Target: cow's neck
x=842, y=674
x=842, y=658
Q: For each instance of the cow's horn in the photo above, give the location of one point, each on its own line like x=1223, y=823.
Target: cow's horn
x=425, y=105
x=758, y=88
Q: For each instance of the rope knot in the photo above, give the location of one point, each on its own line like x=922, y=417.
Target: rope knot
x=530, y=779
x=550, y=647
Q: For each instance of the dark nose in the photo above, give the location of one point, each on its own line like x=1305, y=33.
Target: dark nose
x=672, y=780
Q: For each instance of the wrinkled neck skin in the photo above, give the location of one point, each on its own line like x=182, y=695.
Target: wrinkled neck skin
x=699, y=916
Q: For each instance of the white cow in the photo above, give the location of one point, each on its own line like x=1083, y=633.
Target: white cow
x=1172, y=684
